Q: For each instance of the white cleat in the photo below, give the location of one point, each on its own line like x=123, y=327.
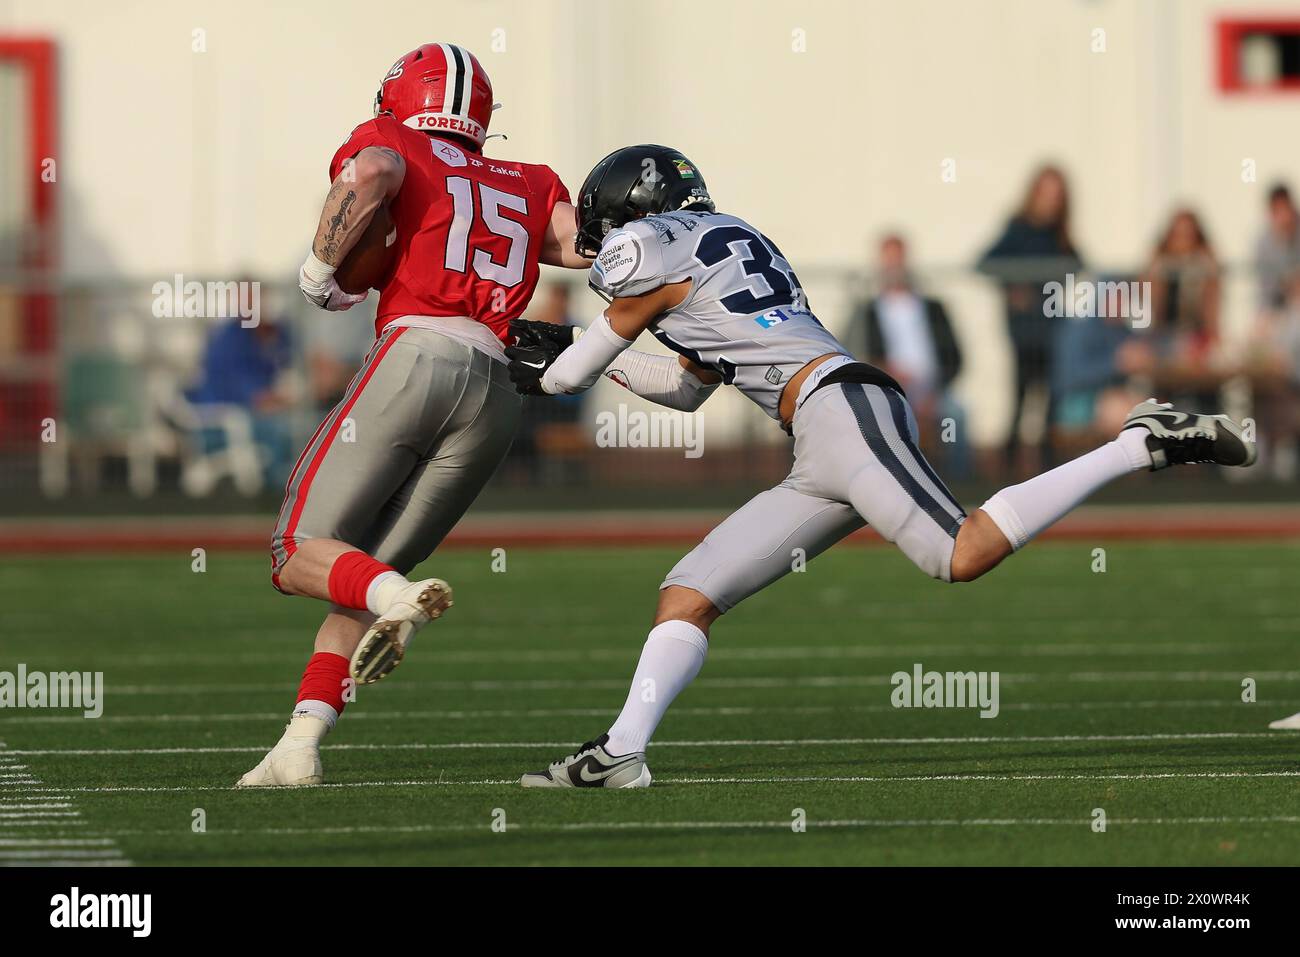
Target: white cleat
x=384, y=645
x=1286, y=724
x=295, y=760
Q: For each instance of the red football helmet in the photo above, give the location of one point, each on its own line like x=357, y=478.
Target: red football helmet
x=438, y=88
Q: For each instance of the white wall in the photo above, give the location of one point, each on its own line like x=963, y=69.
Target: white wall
x=215, y=160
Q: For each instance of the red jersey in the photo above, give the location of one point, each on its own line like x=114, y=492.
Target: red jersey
x=469, y=229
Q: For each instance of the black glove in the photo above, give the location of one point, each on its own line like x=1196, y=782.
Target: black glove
x=538, y=344
x=532, y=333
x=527, y=364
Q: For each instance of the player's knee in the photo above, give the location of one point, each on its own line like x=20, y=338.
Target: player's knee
x=283, y=577
x=941, y=566
x=962, y=569
x=280, y=581
x=679, y=603
x=929, y=548
x=980, y=546
x=969, y=564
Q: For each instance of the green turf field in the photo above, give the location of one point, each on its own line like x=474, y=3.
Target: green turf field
x=1119, y=691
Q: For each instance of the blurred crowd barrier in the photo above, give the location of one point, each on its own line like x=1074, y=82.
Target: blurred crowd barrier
x=130, y=390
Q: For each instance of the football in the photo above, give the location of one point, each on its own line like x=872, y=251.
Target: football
x=370, y=262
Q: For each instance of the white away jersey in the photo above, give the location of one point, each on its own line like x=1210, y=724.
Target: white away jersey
x=745, y=317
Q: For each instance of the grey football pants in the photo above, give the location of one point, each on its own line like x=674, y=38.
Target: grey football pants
x=855, y=463
x=420, y=430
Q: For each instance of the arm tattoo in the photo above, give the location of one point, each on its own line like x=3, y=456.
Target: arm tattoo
x=337, y=222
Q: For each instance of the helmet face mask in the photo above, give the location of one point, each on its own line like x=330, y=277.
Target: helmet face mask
x=591, y=232
x=633, y=182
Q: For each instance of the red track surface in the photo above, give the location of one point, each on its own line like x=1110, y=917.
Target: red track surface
x=612, y=529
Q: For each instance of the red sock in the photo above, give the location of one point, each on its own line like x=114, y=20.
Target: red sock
x=350, y=576
x=323, y=679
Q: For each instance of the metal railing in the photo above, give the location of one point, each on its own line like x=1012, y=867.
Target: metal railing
x=103, y=398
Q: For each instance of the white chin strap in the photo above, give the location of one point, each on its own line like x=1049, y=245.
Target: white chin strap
x=492, y=136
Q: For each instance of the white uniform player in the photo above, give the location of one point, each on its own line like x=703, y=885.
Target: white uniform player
x=720, y=294
x=746, y=319
x=745, y=316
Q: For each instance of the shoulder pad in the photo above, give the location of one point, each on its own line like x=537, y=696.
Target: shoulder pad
x=370, y=133
x=630, y=263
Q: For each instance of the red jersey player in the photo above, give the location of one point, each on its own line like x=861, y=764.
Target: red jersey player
x=432, y=411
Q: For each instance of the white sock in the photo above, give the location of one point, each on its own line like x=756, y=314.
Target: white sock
x=1024, y=510
x=381, y=591
x=315, y=709
x=673, y=655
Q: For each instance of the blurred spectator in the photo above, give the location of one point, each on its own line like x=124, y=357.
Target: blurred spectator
x=243, y=367
x=1184, y=277
x=1277, y=253
x=910, y=336
x=554, y=307
x=1093, y=394
x=1177, y=353
x=1273, y=367
x=1034, y=249
x=549, y=439
x=334, y=345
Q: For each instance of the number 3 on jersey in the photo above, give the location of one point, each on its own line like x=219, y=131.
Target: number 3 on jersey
x=756, y=253
x=491, y=201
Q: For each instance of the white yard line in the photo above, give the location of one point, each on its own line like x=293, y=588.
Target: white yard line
x=26, y=803
x=68, y=862
x=628, y=653
x=34, y=854
x=808, y=681
x=811, y=823
x=711, y=743
x=464, y=714
x=868, y=779
x=825, y=779
x=63, y=825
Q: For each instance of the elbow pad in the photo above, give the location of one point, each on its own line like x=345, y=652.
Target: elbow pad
x=661, y=379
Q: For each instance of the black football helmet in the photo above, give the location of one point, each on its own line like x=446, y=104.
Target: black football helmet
x=633, y=182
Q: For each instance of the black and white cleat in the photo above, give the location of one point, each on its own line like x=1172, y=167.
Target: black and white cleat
x=1186, y=438
x=591, y=766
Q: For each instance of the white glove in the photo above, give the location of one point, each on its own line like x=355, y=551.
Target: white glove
x=316, y=280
